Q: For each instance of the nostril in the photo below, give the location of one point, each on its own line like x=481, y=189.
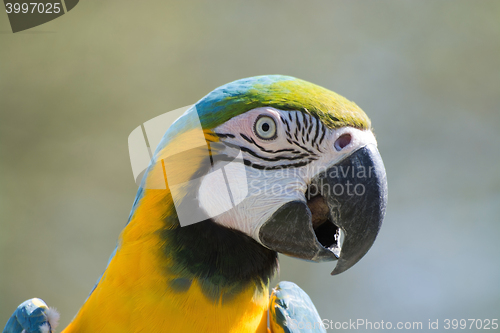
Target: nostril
x=342, y=141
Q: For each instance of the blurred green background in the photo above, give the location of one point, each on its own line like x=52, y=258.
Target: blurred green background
x=426, y=72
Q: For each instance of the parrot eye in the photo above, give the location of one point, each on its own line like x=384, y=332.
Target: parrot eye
x=265, y=128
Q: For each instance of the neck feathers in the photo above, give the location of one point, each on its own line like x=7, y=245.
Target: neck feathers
x=222, y=260
x=164, y=277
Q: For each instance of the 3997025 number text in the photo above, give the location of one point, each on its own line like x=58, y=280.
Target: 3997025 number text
x=33, y=7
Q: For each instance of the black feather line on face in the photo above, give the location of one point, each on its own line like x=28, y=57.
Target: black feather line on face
x=225, y=135
x=278, y=167
x=309, y=129
x=287, y=126
x=296, y=132
x=316, y=133
x=269, y=159
x=322, y=135
x=309, y=151
x=252, y=141
x=273, y=159
x=246, y=138
x=306, y=122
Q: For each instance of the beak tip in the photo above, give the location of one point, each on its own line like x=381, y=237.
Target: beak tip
x=342, y=266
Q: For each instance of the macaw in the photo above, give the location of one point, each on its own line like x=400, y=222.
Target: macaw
x=189, y=260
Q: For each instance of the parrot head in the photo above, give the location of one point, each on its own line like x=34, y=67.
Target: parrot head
x=290, y=164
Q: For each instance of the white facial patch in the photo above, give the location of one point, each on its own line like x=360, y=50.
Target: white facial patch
x=276, y=170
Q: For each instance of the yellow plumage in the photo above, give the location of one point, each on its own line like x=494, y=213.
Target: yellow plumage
x=133, y=294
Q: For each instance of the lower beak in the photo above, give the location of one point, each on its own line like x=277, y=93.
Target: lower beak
x=353, y=196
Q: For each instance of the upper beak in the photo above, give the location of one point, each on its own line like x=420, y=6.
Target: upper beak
x=353, y=193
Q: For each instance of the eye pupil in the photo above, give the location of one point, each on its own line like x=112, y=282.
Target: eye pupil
x=265, y=128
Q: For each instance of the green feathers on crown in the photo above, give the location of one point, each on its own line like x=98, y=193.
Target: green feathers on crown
x=280, y=92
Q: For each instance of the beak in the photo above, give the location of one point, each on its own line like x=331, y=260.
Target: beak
x=348, y=200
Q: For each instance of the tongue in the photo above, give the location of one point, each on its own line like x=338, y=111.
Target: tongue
x=319, y=210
